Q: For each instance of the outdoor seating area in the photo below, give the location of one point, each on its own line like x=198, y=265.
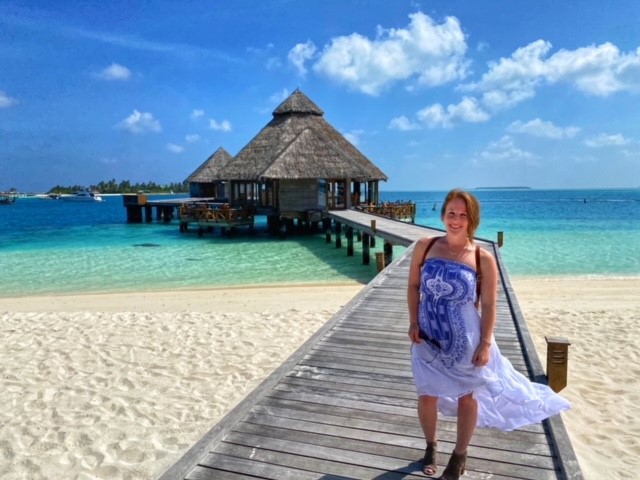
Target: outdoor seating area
x=208, y=216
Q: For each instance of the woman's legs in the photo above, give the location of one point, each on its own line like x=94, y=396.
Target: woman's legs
x=467, y=419
x=428, y=415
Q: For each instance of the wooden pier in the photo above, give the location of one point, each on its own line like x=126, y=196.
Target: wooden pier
x=343, y=406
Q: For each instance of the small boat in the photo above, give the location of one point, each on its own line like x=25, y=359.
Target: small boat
x=7, y=198
x=82, y=196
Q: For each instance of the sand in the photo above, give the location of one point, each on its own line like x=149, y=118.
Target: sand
x=121, y=385
x=601, y=319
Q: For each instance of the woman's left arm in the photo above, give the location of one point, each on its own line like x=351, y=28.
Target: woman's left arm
x=488, y=298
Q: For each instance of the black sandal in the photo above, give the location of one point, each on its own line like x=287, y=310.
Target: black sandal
x=430, y=459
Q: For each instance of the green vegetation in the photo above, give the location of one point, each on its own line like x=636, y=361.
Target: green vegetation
x=125, y=187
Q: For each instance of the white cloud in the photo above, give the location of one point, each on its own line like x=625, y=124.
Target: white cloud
x=504, y=150
x=223, y=126
x=354, y=136
x=139, y=122
x=6, y=101
x=540, y=128
x=468, y=110
x=115, y=72
x=172, y=147
x=606, y=140
x=402, y=123
x=595, y=70
x=425, y=53
x=192, y=138
x=196, y=114
x=300, y=54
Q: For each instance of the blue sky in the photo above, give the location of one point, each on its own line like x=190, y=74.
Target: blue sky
x=438, y=94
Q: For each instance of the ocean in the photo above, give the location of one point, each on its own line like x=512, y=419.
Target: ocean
x=53, y=247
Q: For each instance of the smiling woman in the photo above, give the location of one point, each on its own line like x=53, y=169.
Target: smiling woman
x=457, y=367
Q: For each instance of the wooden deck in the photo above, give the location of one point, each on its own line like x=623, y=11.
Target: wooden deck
x=344, y=405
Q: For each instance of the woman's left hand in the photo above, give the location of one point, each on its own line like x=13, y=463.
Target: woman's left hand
x=482, y=354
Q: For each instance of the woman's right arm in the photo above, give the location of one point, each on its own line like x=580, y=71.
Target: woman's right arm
x=413, y=289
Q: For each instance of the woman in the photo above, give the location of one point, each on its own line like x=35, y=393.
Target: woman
x=457, y=367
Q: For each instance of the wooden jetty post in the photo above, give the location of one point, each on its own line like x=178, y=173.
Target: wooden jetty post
x=134, y=204
x=349, y=241
x=338, y=235
x=388, y=253
x=372, y=242
x=326, y=225
x=557, y=362
x=365, y=249
x=380, y=261
x=500, y=239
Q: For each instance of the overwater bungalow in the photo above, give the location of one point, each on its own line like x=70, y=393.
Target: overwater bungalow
x=206, y=180
x=295, y=168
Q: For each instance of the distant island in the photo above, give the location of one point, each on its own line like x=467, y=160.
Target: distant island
x=503, y=188
x=125, y=186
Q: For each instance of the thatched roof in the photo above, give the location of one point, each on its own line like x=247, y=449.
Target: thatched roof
x=298, y=143
x=209, y=171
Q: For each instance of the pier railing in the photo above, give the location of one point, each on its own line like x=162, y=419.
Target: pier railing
x=404, y=211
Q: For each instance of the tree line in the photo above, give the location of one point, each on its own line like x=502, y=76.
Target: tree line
x=125, y=186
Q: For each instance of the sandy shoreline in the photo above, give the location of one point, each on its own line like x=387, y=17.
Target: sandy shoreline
x=600, y=318
x=121, y=385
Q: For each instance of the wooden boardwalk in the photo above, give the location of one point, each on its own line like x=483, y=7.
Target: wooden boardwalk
x=343, y=406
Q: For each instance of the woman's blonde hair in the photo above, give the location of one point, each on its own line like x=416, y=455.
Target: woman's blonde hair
x=473, y=209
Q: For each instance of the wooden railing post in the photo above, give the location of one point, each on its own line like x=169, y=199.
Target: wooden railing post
x=500, y=239
x=557, y=362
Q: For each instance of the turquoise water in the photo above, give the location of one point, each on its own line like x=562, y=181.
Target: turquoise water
x=48, y=246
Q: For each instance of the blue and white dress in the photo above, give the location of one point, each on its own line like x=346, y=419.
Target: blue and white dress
x=443, y=367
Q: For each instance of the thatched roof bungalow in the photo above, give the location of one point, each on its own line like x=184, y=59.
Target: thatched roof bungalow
x=206, y=180
x=298, y=162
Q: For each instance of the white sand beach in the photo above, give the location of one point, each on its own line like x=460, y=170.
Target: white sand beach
x=121, y=385
x=601, y=319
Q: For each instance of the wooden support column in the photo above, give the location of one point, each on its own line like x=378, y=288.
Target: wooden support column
x=350, y=241
x=500, y=239
x=373, y=237
x=388, y=253
x=557, y=362
x=338, y=235
x=326, y=226
x=365, y=249
x=148, y=214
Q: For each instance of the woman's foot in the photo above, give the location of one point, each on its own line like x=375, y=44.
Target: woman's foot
x=430, y=459
x=455, y=467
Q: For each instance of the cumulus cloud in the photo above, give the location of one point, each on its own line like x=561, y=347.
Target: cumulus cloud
x=139, y=122
x=606, y=140
x=172, y=147
x=424, y=53
x=300, y=54
x=223, y=126
x=6, y=101
x=402, y=123
x=540, y=128
x=599, y=70
x=504, y=150
x=115, y=72
x=195, y=114
x=468, y=110
x=193, y=138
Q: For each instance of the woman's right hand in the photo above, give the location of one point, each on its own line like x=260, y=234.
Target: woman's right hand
x=414, y=333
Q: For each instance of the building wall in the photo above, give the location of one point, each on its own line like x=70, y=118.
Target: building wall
x=299, y=195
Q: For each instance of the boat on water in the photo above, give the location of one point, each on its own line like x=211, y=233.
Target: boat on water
x=7, y=198
x=82, y=196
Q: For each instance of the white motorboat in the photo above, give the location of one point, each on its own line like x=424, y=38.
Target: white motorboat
x=86, y=196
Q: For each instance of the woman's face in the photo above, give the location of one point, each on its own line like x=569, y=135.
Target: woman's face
x=455, y=217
